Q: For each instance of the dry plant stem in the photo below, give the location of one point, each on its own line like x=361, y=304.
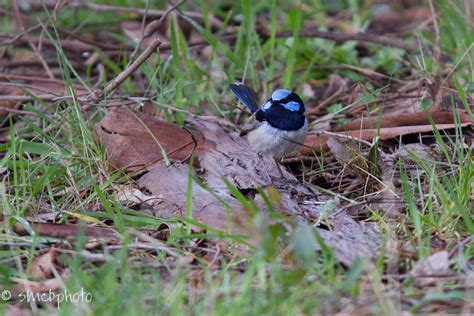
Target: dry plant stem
x=29, y=78
x=338, y=135
x=370, y=73
x=44, y=97
x=19, y=35
x=57, y=7
x=65, y=43
x=326, y=102
x=109, y=8
x=131, y=69
x=15, y=111
x=104, y=45
x=142, y=32
x=28, y=38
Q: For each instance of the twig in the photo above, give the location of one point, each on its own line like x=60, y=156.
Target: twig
x=109, y=8
x=11, y=77
x=131, y=69
x=28, y=38
x=15, y=111
x=154, y=25
x=460, y=246
x=19, y=35
x=348, y=137
x=142, y=34
x=44, y=97
x=329, y=100
x=369, y=73
x=22, y=86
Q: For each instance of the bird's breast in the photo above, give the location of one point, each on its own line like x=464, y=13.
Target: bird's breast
x=270, y=141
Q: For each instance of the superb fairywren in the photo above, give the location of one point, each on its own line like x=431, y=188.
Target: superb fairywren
x=281, y=124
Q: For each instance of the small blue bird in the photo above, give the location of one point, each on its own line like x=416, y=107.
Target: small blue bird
x=281, y=124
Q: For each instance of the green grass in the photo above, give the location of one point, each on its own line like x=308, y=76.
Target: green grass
x=64, y=170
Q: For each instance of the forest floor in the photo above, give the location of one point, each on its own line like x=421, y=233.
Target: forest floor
x=105, y=106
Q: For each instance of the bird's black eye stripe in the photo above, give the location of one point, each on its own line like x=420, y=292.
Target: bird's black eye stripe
x=292, y=97
x=260, y=116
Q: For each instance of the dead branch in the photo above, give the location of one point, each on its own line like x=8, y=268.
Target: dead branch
x=131, y=69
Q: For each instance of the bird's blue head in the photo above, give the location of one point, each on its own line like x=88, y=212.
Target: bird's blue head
x=284, y=110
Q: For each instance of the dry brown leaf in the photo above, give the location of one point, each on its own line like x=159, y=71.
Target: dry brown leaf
x=233, y=159
x=8, y=90
x=46, y=89
x=171, y=184
x=392, y=132
x=343, y=151
x=67, y=230
x=352, y=240
x=435, y=264
x=222, y=154
x=404, y=120
x=129, y=144
x=422, y=152
x=319, y=142
x=24, y=286
x=42, y=266
x=130, y=196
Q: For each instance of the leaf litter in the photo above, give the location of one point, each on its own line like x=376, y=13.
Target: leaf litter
x=359, y=147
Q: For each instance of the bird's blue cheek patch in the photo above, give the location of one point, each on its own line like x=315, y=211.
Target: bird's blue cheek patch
x=280, y=94
x=266, y=106
x=292, y=106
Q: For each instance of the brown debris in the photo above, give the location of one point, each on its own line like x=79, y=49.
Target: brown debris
x=231, y=158
x=133, y=140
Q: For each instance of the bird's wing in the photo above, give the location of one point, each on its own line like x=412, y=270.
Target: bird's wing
x=245, y=95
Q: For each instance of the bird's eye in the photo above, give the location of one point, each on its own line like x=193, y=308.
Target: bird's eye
x=266, y=106
x=291, y=106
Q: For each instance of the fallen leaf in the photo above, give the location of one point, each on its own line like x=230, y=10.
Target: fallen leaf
x=46, y=286
x=318, y=143
x=133, y=140
x=46, y=89
x=405, y=120
x=42, y=266
x=222, y=154
x=233, y=159
x=422, y=152
x=351, y=239
x=67, y=230
x=171, y=183
x=435, y=264
x=131, y=196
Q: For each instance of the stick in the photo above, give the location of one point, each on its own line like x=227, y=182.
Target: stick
x=112, y=85
x=154, y=25
x=142, y=32
x=109, y=8
x=15, y=111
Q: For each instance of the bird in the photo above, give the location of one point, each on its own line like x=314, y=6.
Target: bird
x=281, y=125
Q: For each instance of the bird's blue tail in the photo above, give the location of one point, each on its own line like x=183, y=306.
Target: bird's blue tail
x=245, y=95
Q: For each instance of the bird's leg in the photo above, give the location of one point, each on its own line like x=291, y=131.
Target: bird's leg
x=265, y=168
x=277, y=162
